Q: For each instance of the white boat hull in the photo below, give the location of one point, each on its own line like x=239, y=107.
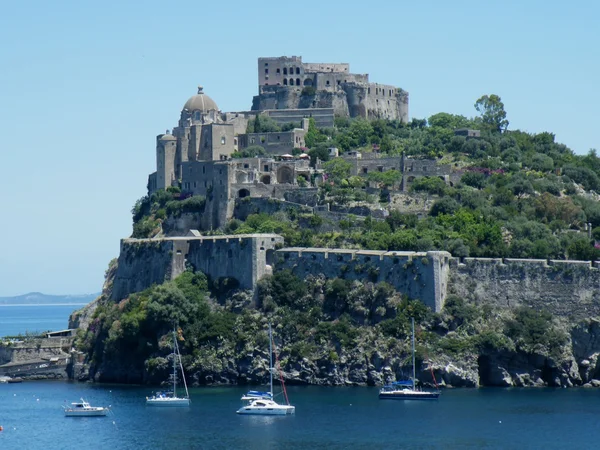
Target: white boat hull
x=88, y=413
x=280, y=410
x=169, y=401
x=408, y=394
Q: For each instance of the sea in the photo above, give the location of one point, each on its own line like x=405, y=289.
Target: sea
x=31, y=318
x=32, y=418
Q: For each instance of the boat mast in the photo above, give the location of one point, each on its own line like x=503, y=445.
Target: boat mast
x=412, y=320
x=187, y=393
x=174, y=364
x=271, y=358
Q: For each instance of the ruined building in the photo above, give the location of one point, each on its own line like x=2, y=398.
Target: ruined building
x=287, y=83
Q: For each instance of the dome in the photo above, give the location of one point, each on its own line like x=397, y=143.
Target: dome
x=200, y=102
x=167, y=137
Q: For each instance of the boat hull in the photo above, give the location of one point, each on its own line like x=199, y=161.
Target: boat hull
x=282, y=410
x=95, y=413
x=409, y=395
x=168, y=402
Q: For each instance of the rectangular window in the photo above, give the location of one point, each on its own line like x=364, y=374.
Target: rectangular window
x=266, y=168
x=266, y=71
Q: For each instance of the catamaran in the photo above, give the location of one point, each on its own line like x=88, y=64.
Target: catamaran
x=168, y=398
x=262, y=403
x=406, y=390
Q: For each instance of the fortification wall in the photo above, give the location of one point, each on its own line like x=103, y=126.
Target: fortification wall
x=420, y=275
x=565, y=288
x=290, y=97
x=144, y=262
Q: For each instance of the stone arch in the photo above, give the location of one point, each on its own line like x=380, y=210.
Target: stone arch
x=265, y=179
x=308, y=82
x=298, y=82
x=242, y=193
x=285, y=175
x=285, y=81
x=241, y=177
x=291, y=81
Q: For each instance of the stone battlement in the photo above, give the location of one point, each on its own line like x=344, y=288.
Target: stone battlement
x=567, y=288
x=144, y=262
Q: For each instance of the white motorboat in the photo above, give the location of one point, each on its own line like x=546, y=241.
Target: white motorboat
x=261, y=403
x=84, y=409
x=406, y=390
x=170, y=398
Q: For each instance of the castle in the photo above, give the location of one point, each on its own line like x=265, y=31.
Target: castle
x=286, y=83
x=198, y=154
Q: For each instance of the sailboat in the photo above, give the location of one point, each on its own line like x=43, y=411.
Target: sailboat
x=171, y=399
x=406, y=390
x=262, y=403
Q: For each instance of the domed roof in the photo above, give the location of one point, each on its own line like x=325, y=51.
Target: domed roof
x=200, y=102
x=167, y=137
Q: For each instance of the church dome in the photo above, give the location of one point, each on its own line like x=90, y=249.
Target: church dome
x=167, y=137
x=201, y=102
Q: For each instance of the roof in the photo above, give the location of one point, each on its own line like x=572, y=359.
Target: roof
x=200, y=102
x=167, y=137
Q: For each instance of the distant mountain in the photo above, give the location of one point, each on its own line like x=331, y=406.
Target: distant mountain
x=39, y=298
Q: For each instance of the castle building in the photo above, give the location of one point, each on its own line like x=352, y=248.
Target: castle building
x=288, y=83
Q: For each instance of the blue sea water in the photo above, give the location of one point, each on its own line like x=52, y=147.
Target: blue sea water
x=326, y=418
x=15, y=319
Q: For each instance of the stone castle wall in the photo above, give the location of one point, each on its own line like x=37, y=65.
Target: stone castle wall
x=420, y=275
x=565, y=288
x=144, y=262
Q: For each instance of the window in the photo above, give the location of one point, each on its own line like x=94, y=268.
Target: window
x=380, y=168
x=197, y=115
x=285, y=81
x=203, y=169
x=223, y=140
x=327, y=83
x=266, y=64
x=297, y=70
x=246, y=166
x=291, y=81
x=365, y=170
x=278, y=70
x=266, y=71
x=266, y=168
x=194, y=185
x=285, y=70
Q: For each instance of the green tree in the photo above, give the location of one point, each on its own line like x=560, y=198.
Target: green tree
x=492, y=112
x=313, y=135
x=338, y=168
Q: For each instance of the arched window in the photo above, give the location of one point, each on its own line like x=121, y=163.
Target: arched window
x=297, y=81
x=285, y=81
x=291, y=81
x=285, y=70
x=297, y=70
x=197, y=115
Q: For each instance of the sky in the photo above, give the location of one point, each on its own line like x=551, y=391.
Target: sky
x=86, y=87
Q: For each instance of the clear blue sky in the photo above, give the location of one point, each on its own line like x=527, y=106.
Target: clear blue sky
x=85, y=88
